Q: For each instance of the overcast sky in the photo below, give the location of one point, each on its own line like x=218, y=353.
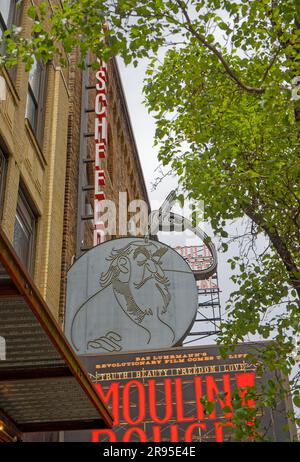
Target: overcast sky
x=144, y=129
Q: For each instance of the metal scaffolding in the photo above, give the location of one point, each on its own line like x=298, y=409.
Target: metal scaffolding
x=208, y=318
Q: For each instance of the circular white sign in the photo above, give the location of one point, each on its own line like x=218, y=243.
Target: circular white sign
x=129, y=294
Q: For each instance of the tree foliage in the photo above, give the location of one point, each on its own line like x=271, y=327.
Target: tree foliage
x=227, y=107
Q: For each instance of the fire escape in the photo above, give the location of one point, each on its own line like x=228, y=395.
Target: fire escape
x=209, y=317
x=86, y=187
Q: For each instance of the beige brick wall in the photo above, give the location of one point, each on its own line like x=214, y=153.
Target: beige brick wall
x=40, y=168
x=50, y=172
x=72, y=170
x=51, y=229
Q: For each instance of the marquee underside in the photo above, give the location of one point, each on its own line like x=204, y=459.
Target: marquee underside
x=43, y=386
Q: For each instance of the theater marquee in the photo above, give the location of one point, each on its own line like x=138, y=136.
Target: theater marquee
x=156, y=396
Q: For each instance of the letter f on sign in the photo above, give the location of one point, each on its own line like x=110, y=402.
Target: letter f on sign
x=2, y=89
x=2, y=349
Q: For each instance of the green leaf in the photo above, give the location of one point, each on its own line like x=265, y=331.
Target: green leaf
x=31, y=12
x=296, y=400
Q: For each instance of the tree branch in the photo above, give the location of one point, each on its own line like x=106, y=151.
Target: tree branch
x=278, y=244
x=217, y=53
x=269, y=67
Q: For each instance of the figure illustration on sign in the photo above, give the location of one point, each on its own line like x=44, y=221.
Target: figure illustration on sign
x=129, y=293
x=134, y=272
x=109, y=342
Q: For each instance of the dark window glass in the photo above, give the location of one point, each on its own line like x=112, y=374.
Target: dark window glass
x=33, y=93
x=10, y=14
x=24, y=232
x=6, y=12
x=8, y=17
x=36, y=99
x=2, y=178
x=32, y=109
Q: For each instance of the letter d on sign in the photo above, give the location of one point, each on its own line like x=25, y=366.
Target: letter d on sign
x=2, y=349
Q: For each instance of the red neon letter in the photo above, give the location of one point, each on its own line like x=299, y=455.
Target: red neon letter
x=180, y=403
x=198, y=396
x=112, y=392
x=219, y=430
x=245, y=380
x=96, y=436
x=166, y=401
x=140, y=402
x=213, y=391
x=156, y=434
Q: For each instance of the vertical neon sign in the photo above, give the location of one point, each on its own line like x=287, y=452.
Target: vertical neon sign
x=100, y=147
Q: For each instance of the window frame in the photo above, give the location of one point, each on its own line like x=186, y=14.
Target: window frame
x=14, y=17
x=3, y=172
x=11, y=16
x=24, y=210
x=40, y=104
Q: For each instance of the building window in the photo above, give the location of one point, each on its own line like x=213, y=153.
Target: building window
x=36, y=99
x=2, y=179
x=25, y=232
x=10, y=14
x=7, y=8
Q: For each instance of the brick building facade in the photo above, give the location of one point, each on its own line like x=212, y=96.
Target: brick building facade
x=122, y=165
x=40, y=145
x=33, y=148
